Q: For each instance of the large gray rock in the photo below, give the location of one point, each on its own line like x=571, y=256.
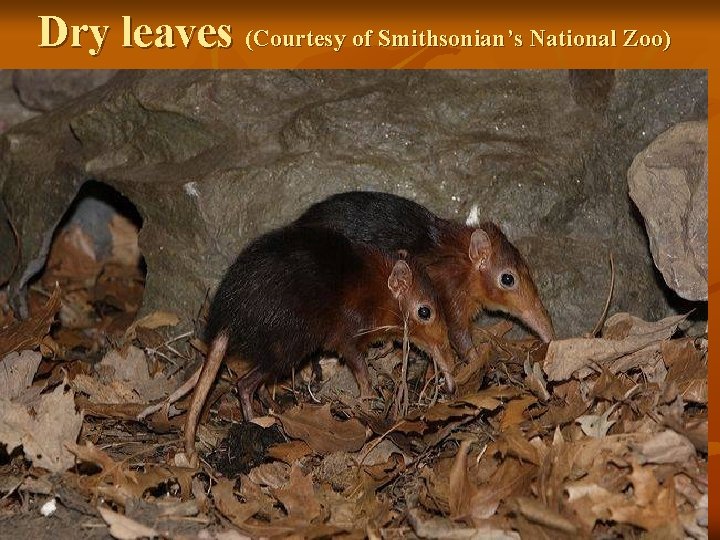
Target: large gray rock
x=45, y=89
x=212, y=159
x=668, y=183
x=12, y=111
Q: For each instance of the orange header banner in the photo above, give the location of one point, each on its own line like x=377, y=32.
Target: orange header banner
x=147, y=36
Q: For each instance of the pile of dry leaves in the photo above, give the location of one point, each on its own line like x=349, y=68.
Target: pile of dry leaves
x=602, y=437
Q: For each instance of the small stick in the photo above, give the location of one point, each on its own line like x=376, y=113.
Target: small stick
x=405, y=398
x=601, y=321
x=172, y=398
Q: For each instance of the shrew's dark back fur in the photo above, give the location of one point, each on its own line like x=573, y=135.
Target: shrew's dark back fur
x=281, y=296
x=387, y=221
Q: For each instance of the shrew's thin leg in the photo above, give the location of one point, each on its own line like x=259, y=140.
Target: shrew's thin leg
x=356, y=362
x=247, y=385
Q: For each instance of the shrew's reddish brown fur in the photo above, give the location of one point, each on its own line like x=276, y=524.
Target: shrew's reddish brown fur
x=471, y=268
x=298, y=291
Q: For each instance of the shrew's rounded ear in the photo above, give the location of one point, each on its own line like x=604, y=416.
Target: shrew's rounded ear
x=480, y=249
x=400, y=278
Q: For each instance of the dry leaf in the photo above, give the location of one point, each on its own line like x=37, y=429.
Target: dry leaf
x=156, y=319
x=118, y=483
x=298, y=496
x=316, y=426
x=229, y=506
x=125, y=248
x=17, y=371
x=535, y=380
x=461, y=490
x=512, y=442
x=44, y=434
x=596, y=425
x=514, y=411
x=565, y=357
x=28, y=334
x=289, y=452
x=124, y=528
x=426, y=526
x=664, y=447
x=538, y=513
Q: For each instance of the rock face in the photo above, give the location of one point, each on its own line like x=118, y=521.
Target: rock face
x=45, y=89
x=668, y=183
x=212, y=159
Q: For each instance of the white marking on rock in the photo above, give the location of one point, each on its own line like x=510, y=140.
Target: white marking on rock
x=473, y=218
x=191, y=189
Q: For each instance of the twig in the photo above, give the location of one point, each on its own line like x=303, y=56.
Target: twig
x=377, y=441
x=405, y=397
x=172, y=398
x=601, y=320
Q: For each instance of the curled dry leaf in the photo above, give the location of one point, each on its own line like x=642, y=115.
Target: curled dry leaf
x=316, y=425
x=476, y=503
x=514, y=411
x=538, y=513
x=536, y=380
x=565, y=357
x=28, y=334
x=467, y=405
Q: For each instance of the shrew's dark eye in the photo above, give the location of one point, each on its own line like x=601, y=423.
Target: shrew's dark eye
x=424, y=313
x=508, y=280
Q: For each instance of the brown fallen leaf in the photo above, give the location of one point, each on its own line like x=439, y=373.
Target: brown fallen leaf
x=592, y=503
x=228, y=505
x=597, y=425
x=117, y=482
x=316, y=425
x=28, y=334
x=17, y=371
x=44, y=433
x=535, y=380
x=512, y=442
x=664, y=447
x=538, y=513
x=124, y=528
x=427, y=526
x=273, y=475
x=478, y=502
x=565, y=357
x=156, y=319
x=514, y=411
x=461, y=490
x=298, y=496
x=687, y=367
x=289, y=452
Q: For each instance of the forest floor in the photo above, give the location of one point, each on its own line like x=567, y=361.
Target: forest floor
x=602, y=437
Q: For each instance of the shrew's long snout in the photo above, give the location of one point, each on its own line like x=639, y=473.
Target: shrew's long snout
x=538, y=320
